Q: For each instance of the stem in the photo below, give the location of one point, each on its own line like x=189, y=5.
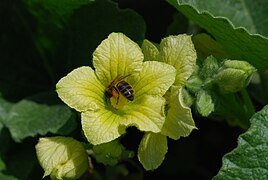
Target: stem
x=233, y=109
x=248, y=103
x=238, y=105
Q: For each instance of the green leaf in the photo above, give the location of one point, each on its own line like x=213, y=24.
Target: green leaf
x=24, y=72
x=233, y=107
x=59, y=11
x=5, y=107
x=6, y=141
x=28, y=119
x=66, y=33
x=244, y=13
x=52, y=19
x=152, y=150
x=111, y=153
x=258, y=87
x=235, y=40
x=249, y=159
x=7, y=177
x=205, y=46
x=2, y=164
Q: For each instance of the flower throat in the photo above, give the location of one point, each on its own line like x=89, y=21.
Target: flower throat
x=119, y=92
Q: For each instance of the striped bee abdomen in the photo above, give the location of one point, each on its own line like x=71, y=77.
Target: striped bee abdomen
x=126, y=90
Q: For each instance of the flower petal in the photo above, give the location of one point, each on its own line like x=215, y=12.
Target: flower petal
x=146, y=113
x=179, y=120
x=81, y=90
x=152, y=150
x=179, y=51
x=101, y=126
x=116, y=56
x=105, y=125
x=149, y=50
x=155, y=78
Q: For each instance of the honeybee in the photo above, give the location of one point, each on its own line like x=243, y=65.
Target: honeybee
x=119, y=87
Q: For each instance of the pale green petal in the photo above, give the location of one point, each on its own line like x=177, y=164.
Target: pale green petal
x=81, y=90
x=107, y=124
x=179, y=52
x=152, y=150
x=102, y=126
x=155, y=78
x=117, y=56
x=146, y=113
x=62, y=157
x=179, y=120
x=149, y=50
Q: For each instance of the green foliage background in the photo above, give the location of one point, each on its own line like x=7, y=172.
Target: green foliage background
x=42, y=40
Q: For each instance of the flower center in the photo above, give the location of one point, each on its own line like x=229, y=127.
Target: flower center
x=119, y=93
x=118, y=102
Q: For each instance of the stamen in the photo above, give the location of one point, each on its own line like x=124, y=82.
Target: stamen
x=118, y=102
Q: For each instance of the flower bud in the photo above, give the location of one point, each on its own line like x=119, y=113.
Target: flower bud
x=204, y=103
x=209, y=68
x=62, y=157
x=194, y=83
x=234, y=75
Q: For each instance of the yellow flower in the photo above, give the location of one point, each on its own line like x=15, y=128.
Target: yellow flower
x=179, y=52
x=62, y=157
x=106, y=118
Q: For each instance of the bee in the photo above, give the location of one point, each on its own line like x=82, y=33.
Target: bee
x=119, y=87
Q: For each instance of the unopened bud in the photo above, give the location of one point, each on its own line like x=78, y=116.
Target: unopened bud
x=62, y=157
x=234, y=75
x=204, y=103
x=194, y=84
x=209, y=67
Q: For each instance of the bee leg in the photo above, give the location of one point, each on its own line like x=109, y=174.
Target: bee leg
x=116, y=94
